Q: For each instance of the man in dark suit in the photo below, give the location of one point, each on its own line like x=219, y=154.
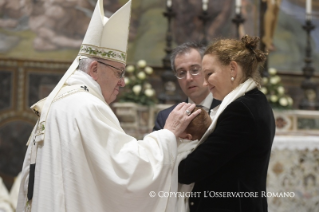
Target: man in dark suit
x=186, y=63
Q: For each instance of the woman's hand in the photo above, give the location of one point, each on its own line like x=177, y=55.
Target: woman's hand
x=180, y=117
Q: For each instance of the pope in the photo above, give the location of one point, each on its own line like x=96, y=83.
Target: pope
x=79, y=158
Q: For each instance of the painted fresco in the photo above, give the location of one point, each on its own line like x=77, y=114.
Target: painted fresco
x=290, y=38
x=53, y=29
x=46, y=30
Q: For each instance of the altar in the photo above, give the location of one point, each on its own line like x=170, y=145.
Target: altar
x=294, y=168
x=294, y=162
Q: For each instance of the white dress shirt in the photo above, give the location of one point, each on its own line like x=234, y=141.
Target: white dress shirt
x=206, y=103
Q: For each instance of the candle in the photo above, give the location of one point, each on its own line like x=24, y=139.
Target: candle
x=205, y=5
x=169, y=3
x=308, y=7
x=238, y=5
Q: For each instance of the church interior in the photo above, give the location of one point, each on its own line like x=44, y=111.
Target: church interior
x=40, y=39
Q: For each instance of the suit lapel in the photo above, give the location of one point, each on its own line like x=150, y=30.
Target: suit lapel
x=214, y=104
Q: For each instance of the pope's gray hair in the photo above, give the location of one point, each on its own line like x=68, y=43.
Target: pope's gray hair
x=85, y=63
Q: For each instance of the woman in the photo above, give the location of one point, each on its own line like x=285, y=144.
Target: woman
x=229, y=168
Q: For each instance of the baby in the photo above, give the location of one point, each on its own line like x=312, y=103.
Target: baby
x=189, y=140
x=198, y=126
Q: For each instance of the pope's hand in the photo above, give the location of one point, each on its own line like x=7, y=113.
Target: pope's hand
x=180, y=117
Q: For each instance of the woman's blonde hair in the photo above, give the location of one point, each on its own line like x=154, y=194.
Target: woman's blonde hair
x=244, y=52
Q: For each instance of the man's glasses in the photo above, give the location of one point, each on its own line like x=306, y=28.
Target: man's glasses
x=181, y=74
x=120, y=74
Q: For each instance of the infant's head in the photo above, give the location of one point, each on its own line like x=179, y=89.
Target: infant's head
x=198, y=126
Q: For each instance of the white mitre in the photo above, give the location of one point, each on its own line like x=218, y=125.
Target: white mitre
x=105, y=38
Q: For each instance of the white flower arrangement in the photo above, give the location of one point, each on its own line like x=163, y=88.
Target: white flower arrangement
x=149, y=92
x=141, y=63
x=137, y=89
x=130, y=69
x=275, y=92
x=148, y=70
x=141, y=75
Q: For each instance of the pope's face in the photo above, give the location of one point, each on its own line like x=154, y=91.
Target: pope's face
x=108, y=78
x=191, y=85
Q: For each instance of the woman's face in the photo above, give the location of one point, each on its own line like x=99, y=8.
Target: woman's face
x=217, y=76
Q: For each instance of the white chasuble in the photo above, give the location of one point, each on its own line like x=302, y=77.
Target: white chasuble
x=88, y=163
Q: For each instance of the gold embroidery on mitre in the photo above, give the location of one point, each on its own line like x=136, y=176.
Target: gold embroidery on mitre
x=105, y=53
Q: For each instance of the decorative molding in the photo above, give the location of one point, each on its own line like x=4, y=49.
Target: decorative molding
x=35, y=64
x=13, y=116
x=46, y=65
x=9, y=63
x=291, y=122
x=296, y=142
x=7, y=115
x=21, y=87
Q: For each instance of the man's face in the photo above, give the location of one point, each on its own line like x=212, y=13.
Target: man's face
x=191, y=85
x=108, y=78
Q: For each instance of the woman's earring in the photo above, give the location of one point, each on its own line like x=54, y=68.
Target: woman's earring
x=232, y=78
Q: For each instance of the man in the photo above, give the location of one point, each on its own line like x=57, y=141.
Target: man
x=79, y=158
x=186, y=63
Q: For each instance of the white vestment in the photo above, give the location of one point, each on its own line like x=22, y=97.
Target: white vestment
x=5, y=203
x=88, y=163
x=14, y=192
